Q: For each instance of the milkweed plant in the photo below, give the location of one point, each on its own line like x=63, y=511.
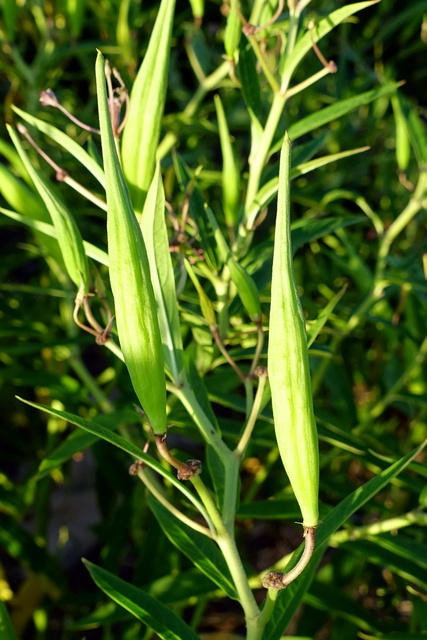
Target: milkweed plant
x=178, y=283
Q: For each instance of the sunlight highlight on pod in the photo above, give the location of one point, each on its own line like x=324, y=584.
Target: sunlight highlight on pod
x=288, y=367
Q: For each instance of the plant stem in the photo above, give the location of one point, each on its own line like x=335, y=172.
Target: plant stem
x=244, y=440
x=279, y=580
x=226, y=542
x=149, y=482
x=412, y=517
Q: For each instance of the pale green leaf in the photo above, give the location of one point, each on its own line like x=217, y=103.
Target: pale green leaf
x=200, y=549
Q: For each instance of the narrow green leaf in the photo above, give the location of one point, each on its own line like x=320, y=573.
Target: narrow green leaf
x=337, y=110
x=69, y=238
x=198, y=213
x=66, y=143
x=100, y=431
x=147, y=99
x=148, y=610
x=288, y=602
x=307, y=229
x=323, y=317
x=245, y=285
x=418, y=135
x=269, y=189
x=81, y=440
x=20, y=197
x=402, y=555
x=206, y=305
x=323, y=27
x=49, y=230
x=9, y=12
x=332, y=599
x=198, y=548
x=135, y=305
x=230, y=170
x=155, y=235
x=74, y=10
x=6, y=629
x=249, y=77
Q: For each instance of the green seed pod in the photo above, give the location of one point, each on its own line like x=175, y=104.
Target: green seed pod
x=233, y=32
x=288, y=367
x=69, y=238
x=134, y=301
x=230, y=171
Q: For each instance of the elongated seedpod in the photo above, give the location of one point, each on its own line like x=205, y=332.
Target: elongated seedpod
x=230, y=171
x=134, y=301
x=147, y=101
x=288, y=367
x=69, y=238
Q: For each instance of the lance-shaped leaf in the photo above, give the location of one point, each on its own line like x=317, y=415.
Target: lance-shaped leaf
x=68, y=234
x=324, y=26
x=21, y=198
x=197, y=211
x=206, y=305
x=67, y=143
x=163, y=621
x=135, y=305
x=147, y=100
x=245, y=285
x=156, y=241
x=230, y=170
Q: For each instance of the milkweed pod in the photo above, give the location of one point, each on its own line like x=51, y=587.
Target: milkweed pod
x=69, y=237
x=231, y=191
x=233, y=31
x=288, y=367
x=134, y=301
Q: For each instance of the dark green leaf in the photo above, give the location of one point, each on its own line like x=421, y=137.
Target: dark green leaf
x=150, y=611
x=198, y=548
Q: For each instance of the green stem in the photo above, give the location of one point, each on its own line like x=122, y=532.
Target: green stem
x=268, y=608
x=227, y=544
x=151, y=485
x=263, y=63
x=412, y=517
x=256, y=407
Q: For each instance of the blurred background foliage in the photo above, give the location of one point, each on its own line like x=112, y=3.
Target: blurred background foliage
x=371, y=396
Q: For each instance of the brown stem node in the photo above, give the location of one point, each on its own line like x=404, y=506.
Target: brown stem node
x=277, y=579
x=186, y=470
